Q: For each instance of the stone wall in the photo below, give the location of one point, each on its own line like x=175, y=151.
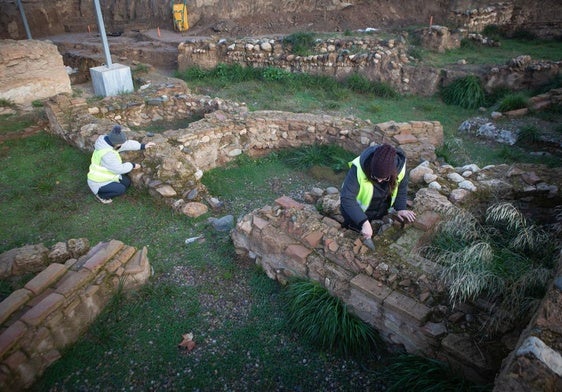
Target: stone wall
x=54, y=308
x=31, y=70
x=374, y=58
x=173, y=168
x=393, y=288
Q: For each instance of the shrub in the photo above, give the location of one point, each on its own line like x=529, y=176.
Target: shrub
x=411, y=373
x=275, y=74
x=302, y=43
x=504, y=259
x=528, y=134
x=512, y=102
x=305, y=157
x=362, y=85
x=6, y=103
x=466, y=92
x=324, y=320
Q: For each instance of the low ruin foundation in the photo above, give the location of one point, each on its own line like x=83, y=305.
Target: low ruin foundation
x=72, y=285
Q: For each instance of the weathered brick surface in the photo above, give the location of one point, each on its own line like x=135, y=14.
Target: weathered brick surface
x=58, y=305
x=14, y=301
x=45, y=278
x=39, y=312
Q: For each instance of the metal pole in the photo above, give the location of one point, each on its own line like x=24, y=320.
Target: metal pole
x=101, y=28
x=25, y=25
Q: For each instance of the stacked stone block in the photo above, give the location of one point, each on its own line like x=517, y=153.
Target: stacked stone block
x=55, y=307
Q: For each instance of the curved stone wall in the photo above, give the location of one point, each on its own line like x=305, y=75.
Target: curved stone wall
x=173, y=168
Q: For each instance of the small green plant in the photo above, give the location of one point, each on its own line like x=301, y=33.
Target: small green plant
x=6, y=103
x=77, y=92
x=528, y=134
x=302, y=43
x=412, y=373
x=503, y=258
x=466, y=92
x=362, y=85
x=512, y=101
x=453, y=152
x=493, y=32
x=317, y=155
x=37, y=103
x=275, y=74
x=416, y=52
x=324, y=320
x=141, y=69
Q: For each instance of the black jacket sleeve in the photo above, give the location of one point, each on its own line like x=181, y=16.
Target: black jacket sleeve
x=349, y=205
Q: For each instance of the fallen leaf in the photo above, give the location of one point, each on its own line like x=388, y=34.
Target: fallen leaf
x=187, y=341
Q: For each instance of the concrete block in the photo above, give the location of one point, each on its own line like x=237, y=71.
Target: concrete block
x=113, y=80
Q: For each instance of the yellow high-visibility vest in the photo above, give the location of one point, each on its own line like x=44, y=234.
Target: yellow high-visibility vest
x=97, y=172
x=366, y=187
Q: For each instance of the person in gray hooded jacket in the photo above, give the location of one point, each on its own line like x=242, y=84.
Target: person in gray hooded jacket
x=107, y=177
x=376, y=181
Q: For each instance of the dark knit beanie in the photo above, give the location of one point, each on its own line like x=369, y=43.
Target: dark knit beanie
x=117, y=136
x=383, y=163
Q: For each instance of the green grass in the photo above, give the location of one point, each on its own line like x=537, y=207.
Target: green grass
x=134, y=341
x=510, y=48
x=324, y=320
x=502, y=257
x=411, y=373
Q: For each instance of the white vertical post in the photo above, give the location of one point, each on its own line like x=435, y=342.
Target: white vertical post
x=24, y=19
x=101, y=28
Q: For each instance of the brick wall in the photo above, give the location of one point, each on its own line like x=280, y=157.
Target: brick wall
x=58, y=304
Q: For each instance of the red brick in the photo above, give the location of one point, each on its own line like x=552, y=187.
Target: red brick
x=11, y=336
x=314, y=238
x=15, y=301
x=259, y=222
x=73, y=281
x=39, y=312
x=427, y=220
x=46, y=278
x=405, y=138
x=298, y=252
x=371, y=287
x=15, y=360
x=99, y=254
x=138, y=262
x=406, y=306
x=286, y=202
x=125, y=255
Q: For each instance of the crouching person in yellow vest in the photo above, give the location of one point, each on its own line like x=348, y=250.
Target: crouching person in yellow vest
x=108, y=177
x=376, y=181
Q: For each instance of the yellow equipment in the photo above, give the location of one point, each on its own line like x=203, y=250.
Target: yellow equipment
x=179, y=12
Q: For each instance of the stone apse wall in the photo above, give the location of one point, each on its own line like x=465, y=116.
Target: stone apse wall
x=393, y=288
x=71, y=286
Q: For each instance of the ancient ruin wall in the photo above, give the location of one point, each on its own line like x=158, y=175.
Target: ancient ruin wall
x=55, y=307
x=66, y=16
x=173, y=169
x=31, y=70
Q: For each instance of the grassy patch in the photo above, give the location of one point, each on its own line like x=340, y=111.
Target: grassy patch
x=503, y=258
x=417, y=374
x=323, y=320
x=466, y=92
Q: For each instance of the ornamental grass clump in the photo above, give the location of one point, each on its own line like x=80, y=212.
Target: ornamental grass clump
x=503, y=258
x=466, y=92
x=324, y=320
x=412, y=373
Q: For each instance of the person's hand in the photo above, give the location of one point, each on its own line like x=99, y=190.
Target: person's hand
x=406, y=215
x=136, y=166
x=149, y=144
x=367, y=229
